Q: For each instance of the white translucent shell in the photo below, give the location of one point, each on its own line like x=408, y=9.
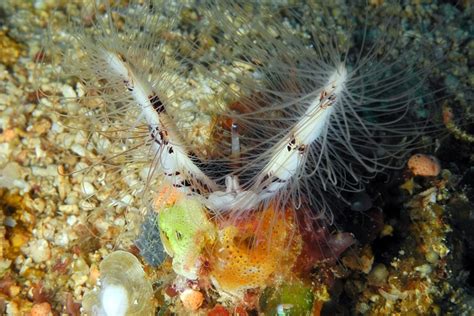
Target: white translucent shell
x=124, y=288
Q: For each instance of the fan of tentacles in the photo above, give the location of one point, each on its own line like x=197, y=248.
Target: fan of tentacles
x=312, y=123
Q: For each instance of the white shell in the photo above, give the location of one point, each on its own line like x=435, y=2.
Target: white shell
x=124, y=288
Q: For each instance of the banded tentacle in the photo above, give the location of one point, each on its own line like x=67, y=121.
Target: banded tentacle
x=289, y=154
x=167, y=148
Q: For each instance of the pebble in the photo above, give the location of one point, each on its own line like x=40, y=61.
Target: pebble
x=49, y=171
x=38, y=250
x=39, y=204
x=11, y=50
x=61, y=239
x=71, y=220
x=69, y=209
x=10, y=175
x=424, y=165
x=42, y=126
x=191, y=299
x=14, y=290
x=94, y=274
x=4, y=265
x=87, y=205
x=80, y=273
x=88, y=188
x=119, y=222
x=103, y=145
x=18, y=238
x=424, y=269
x=378, y=275
x=127, y=200
x=10, y=221
x=68, y=91
x=57, y=128
x=78, y=149
x=42, y=309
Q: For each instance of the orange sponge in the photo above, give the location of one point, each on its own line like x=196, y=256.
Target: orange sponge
x=251, y=251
